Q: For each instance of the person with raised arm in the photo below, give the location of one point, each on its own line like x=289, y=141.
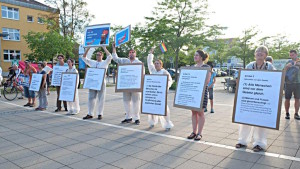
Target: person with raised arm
x=157, y=68
x=97, y=94
x=131, y=100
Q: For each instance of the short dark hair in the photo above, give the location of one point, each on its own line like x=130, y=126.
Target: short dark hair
x=60, y=55
x=293, y=51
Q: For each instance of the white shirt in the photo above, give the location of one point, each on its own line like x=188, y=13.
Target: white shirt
x=95, y=64
x=123, y=60
x=162, y=71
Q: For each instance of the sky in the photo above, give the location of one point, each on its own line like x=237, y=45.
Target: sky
x=271, y=17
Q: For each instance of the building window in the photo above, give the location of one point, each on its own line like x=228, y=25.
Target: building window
x=10, y=13
x=40, y=20
x=13, y=34
x=9, y=55
x=29, y=18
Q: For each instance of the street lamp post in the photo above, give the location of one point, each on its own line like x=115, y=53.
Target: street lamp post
x=1, y=35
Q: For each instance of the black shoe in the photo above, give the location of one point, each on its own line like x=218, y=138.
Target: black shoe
x=287, y=116
x=26, y=105
x=137, y=122
x=296, y=116
x=66, y=109
x=57, y=110
x=99, y=117
x=127, y=121
x=87, y=117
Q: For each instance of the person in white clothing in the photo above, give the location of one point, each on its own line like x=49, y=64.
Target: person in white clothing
x=73, y=107
x=131, y=100
x=246, y=132
x=157, y=68
x=99, y=63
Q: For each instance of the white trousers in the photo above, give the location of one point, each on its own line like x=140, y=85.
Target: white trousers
x=259, y=135
x=73, y=107
x=164, y=120
x=132, y=105
x=93, y=96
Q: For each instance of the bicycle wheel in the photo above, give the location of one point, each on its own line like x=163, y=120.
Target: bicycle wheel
x=10, y=93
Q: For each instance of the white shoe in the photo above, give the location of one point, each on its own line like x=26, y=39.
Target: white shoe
x=74, y=113
x=151, y=126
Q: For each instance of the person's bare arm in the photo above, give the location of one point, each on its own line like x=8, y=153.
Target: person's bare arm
x=86, y=52
x=106, y=51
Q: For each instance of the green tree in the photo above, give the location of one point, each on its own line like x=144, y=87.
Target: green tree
x=73, y=16
x=244, y=46
x=279, y=46
x=46, y=45
x=180, y=24
x=219, y=50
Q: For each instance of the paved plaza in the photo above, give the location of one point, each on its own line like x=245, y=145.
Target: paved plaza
x=44, y=140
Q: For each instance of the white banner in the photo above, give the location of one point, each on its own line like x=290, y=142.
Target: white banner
x=94, y=78
x=129, y=77
x=68, y=87
x=154, y=97
x=56, y=74
x=258, y=98
x=36, y=81
x=190, y=88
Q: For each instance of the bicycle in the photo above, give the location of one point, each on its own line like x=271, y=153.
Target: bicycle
x=12, y=89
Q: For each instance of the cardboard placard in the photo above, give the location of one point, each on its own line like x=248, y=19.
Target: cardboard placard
x=258, y=98
x=56, y=74
x=68, y=86
x=94, y=78
x=154, y=96
x=190, y=88
x=36, y=82
x=130, y=77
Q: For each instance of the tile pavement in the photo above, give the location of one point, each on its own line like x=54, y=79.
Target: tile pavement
x=32, y=139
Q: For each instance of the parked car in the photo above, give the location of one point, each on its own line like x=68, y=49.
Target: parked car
x=231, y=72
x=223, y=73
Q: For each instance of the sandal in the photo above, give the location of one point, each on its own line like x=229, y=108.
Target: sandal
x=193, y=135
x=257, y=148
x=198, y=137
x=239, y=145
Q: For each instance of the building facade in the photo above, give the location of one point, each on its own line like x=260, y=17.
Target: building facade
x=17, y=18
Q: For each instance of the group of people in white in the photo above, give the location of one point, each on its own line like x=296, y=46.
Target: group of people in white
x=132, y=100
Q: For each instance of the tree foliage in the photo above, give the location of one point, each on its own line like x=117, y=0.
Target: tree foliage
x=73, y=16
x=180, y=24
x=244, y=46
x=279, y=46
x=46, y=45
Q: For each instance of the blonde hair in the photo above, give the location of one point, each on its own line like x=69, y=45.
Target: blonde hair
x=161, y=63
x=263, y=49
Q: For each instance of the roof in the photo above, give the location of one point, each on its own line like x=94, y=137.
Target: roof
x=34, y=3
x=30, y=4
